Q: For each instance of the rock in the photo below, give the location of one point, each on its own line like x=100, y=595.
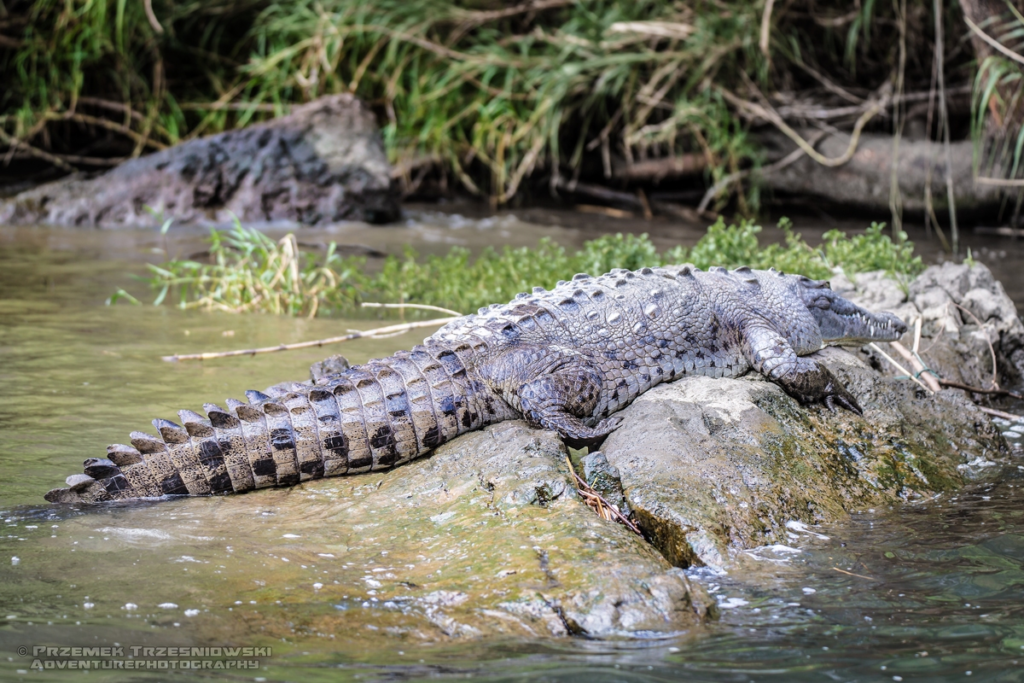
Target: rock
x=323, y=162
x=953, y=343
x=485, y=537
x=712, y=466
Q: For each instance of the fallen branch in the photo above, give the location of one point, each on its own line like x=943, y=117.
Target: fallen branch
x=368, y=334
x=604, y=211
x=421, y=307
x=728, y=180
x=658, y=169
x=999, y=182
x=598, y=192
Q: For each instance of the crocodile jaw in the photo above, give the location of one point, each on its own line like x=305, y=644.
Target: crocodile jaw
x=842, y=321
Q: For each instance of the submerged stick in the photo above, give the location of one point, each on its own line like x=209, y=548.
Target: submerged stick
x=368, y=334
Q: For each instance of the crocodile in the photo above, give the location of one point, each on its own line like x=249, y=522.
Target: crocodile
x=565, y=360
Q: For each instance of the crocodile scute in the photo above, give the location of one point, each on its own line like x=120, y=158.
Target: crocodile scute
x=564, y=359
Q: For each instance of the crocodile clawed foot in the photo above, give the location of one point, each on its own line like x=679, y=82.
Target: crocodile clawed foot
x=839, y=395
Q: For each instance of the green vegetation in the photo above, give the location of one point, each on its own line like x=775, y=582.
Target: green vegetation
x=485, y=92
x=251, y=272
x=997, y=105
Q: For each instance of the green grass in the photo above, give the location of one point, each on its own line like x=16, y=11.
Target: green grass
x=251, y=272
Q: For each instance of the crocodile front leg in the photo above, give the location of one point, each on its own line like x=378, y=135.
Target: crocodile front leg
x=804, y=379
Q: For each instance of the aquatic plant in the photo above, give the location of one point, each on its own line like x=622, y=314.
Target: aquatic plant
x=248, y=271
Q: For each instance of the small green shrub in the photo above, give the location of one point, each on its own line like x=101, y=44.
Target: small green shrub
x=251, y=272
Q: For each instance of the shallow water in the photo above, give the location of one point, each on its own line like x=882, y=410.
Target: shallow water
x=928, y=592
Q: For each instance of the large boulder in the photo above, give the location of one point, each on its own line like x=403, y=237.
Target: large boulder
x=710, y=467
x=969, y=326
x=487, y=536
x=323, y=162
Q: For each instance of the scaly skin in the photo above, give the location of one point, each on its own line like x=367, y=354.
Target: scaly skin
x=565, y=359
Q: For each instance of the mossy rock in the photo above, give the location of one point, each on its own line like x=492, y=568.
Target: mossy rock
x=710, y=466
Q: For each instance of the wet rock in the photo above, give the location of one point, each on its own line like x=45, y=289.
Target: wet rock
x=485, y=537
x=711, y=466
x=323, y=162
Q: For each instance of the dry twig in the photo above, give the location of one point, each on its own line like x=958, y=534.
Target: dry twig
x=368, y=334
x=1000, y=413
x=770, y=115
x=896, y=364
x=54, y=159
x=422, y=307
x=919, y=369
x=979, y=390
x=595, y=500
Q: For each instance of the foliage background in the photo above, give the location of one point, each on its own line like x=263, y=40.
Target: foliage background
x=485, y=93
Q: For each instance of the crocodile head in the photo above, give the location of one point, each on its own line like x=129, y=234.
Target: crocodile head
x=842, y=321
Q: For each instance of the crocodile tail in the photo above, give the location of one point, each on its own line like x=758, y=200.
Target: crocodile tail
x=369, y=417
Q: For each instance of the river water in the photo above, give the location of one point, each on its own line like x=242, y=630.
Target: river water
x=933, y=591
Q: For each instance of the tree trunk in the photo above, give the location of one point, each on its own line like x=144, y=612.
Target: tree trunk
x=864, y=181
